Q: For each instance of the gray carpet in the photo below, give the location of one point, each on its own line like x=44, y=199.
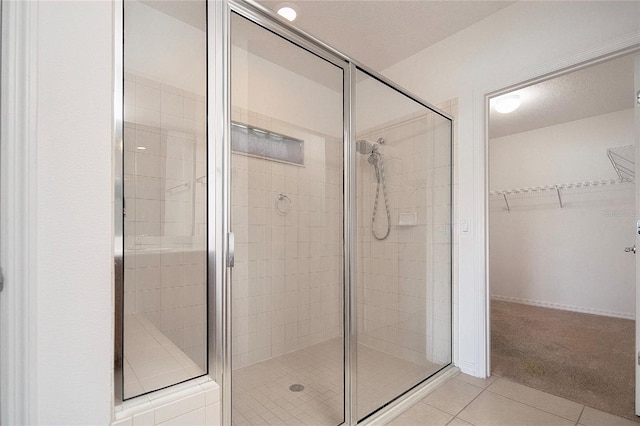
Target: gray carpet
x=585, y=358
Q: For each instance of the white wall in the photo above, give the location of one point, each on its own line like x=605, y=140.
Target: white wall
x=569, y=258
x=522, y=41
x=74, y=203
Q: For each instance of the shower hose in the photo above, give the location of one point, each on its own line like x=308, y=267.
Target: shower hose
x=381, y=180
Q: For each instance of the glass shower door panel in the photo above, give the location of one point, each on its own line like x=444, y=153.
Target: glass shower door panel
x=165, y=190
x=286, y=201
x=403, y=175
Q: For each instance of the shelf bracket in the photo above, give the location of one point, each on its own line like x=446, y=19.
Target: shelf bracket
x=559, y=196
x=506, y=202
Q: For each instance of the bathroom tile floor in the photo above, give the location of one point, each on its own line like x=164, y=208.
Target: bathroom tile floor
x=261, y=394
x=465, y=400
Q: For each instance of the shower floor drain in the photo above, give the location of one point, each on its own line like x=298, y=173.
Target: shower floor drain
x=296, y=388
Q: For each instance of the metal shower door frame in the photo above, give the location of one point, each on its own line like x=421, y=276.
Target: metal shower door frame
x=219, y=203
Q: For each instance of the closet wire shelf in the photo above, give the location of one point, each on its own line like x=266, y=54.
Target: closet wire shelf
x=623, y=161
x=556, y=190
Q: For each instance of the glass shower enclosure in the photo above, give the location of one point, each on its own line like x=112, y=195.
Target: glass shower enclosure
x=339, y=223
x=283, y=219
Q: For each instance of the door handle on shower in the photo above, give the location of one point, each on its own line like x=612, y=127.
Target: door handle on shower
x=231, y=250
x=630, y=249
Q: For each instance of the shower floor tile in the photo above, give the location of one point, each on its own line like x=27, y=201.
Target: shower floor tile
x=261, y=394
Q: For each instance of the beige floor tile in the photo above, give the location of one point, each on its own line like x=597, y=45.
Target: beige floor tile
x=453, y=396
x=475, y=381
x=592, y=417
x=458, y=422
x=495, y=410
x=423, y=415
x=542, y=400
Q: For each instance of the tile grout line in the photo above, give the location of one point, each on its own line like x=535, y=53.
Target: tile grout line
x=455, y=416
x=538, y=408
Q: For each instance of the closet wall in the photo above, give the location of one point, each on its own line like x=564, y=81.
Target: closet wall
x=573, y=257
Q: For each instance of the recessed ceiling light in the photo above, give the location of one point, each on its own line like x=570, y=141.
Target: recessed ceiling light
x=141, y=148
x=288, y=11
x=508, y=103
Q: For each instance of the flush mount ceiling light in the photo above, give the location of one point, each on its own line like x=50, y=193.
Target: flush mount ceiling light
x=288, y=11
x=508, y=103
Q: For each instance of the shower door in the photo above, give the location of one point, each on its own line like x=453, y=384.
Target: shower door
x=309, y=346
x=286, y=195
x=403, y=197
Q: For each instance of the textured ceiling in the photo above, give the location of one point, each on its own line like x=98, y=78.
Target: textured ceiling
x=598, y=89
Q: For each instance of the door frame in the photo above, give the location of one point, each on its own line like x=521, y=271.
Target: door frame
x=18, y=215
x=636, y=108
x=566, y=69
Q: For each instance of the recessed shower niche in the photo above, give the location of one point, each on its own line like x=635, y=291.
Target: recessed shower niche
x=326, y=256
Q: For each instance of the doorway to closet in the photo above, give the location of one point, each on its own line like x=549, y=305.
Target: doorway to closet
x=561, y=235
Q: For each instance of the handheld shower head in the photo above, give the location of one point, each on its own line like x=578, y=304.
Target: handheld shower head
x=376, y=159
x=364, y=147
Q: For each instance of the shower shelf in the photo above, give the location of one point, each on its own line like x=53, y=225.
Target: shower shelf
x=408, y=219
x=557, y=191
x=623, y=161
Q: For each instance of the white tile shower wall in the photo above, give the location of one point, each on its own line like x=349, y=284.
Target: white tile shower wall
x=195, y=403
x=287, y=282
x=404, y=285
x=165, y=200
